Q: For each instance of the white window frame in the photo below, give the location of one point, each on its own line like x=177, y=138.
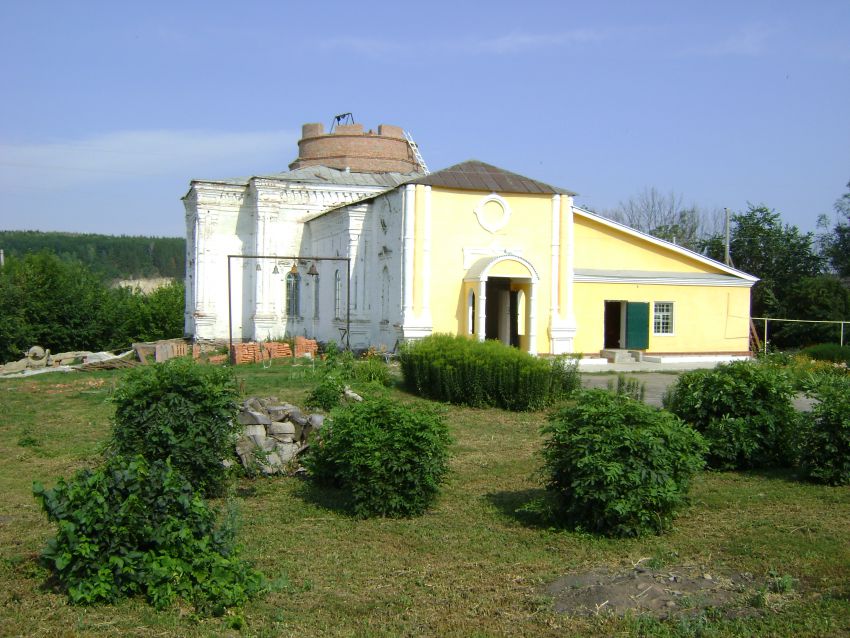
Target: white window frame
x=658, y=314
x=293, y=295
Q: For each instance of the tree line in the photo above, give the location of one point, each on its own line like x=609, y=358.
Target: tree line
x=801, y=275
x=64, y=305
x=111, y=257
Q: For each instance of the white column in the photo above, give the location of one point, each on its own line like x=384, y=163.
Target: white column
x=426, y=259
x=554, y=307
x=570, y=270
x=264, y=273
x=407, y=247
x=482, y=309
x=532, y=318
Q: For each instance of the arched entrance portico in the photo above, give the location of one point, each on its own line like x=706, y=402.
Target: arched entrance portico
x=500, y=294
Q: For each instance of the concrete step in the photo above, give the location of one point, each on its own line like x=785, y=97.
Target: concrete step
x=615, y=355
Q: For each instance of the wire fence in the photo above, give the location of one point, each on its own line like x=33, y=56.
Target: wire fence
x=766, y=321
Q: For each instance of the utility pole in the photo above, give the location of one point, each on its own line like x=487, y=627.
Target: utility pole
x=727, y=257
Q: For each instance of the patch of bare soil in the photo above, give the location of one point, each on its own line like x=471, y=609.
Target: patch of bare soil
x=660, y=594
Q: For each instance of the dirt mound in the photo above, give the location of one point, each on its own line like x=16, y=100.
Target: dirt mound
x=657, y=593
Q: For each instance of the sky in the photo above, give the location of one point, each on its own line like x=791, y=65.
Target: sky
x=109, y=109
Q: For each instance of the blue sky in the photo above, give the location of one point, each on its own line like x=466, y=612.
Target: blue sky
x=110, y=108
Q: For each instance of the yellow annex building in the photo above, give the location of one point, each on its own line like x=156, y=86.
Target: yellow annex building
x=381, y=251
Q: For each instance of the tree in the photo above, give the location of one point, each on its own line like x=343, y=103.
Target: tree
x=666, y=217
x=820, y=298
x=778, y=254
x=63, y=305
x=836, y=245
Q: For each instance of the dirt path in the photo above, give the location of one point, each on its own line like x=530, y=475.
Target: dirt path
x=656, y=383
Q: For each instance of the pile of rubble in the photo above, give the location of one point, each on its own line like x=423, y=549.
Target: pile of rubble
x=274, y=434
x=38, y=360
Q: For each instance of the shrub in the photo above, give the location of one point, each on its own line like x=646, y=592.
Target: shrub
x=619, y=467
x=482, y=374
x=390, y=458
x=829, y=352
x=327, y=394
x=137, y=528
x=825, y=451
x=628, y=386
x=373, y=370
x=744, y=411
x=181, y=410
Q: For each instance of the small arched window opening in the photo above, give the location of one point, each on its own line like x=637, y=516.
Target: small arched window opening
x=293, y=295
x=337, y=295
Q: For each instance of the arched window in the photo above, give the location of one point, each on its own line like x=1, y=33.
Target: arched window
x=293, y=295
x=470, y=312
x=337, y=295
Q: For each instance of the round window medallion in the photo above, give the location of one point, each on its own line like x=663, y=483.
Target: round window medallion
x=493, y=213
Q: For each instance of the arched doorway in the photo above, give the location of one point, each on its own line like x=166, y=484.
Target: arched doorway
x=500, y=297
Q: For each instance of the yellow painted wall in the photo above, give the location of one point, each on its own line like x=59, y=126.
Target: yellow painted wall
x=705, y=319
x=602, y=247
x=454, y=226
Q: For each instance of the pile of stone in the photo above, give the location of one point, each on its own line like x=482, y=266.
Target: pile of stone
x=273, y=434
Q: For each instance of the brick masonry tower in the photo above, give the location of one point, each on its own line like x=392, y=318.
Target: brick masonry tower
x=347, y=146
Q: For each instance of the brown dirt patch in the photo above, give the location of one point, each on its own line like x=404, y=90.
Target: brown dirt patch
x=661, y=594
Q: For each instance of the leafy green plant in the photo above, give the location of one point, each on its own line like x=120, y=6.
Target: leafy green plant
x=482, y=374
x=618, y=467
x=389, y=457
x=744, y=411
x=828, y=352
x=133, y=527
x=181, y=410
x=327, y=393
x=825, y=449
x=373, y=370
x=628, y=386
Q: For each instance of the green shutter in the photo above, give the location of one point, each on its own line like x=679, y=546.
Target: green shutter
x=637, y=325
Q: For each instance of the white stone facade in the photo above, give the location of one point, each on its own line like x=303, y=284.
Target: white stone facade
x=295, y=214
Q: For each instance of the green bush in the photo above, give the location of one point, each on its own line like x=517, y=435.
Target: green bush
x=483, y=374
x=825, y=451
x=327, y=393
x=181, y=410
x=619, y=467
x=373, y=370
x=828, y=352
x=132, y=527
x=743, y=410
x=390, y=458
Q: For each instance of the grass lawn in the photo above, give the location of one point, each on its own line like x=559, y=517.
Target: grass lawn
x=472, y=566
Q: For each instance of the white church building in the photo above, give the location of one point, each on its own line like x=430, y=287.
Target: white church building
x=358, y=243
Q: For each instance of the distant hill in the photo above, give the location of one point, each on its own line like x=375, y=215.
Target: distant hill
x=112, y=257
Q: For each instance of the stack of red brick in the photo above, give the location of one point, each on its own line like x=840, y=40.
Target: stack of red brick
x=306, y=347
x=253, y=352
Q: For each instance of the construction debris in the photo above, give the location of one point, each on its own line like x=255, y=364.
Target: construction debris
x=273, y=434
x=38, y=360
